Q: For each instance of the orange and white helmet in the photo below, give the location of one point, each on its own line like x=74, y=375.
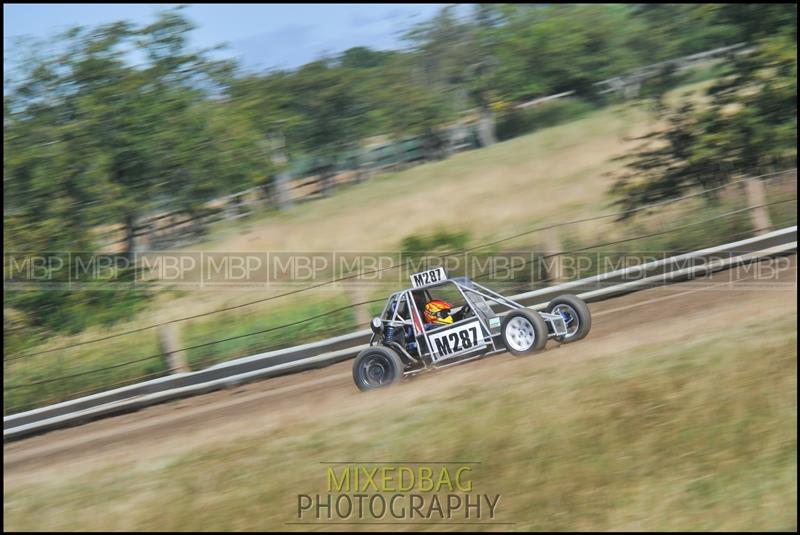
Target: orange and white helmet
x=438, y=311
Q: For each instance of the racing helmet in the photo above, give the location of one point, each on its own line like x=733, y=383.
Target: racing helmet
x=438, y=311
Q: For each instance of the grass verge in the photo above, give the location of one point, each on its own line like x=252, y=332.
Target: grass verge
x=235, y=325
x=700, y=434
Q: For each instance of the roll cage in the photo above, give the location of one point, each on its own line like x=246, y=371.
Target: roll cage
x=404, y=308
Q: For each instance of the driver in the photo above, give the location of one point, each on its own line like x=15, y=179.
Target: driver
x=437, y=312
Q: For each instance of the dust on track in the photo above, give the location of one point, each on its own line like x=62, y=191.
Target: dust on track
x=654, y=315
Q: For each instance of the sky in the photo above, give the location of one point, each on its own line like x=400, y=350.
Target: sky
x=260, y=35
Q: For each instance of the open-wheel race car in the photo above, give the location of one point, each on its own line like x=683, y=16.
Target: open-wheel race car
x=441, y=322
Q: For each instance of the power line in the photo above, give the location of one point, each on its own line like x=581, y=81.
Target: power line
x=681, y=227
x=629, y=211
x=653, y=234
x=397, y=265
x=205, y=344
x=347, y=307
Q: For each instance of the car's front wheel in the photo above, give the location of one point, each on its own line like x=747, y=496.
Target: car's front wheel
x=523, y=332
x=576, y=316
x=376, y=367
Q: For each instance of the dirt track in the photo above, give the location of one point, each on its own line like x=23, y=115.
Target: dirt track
x=655, y=316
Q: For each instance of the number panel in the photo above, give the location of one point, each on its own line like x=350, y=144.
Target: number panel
x=424, y=278
x=457, y=340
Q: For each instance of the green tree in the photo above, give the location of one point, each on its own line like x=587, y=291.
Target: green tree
x=92, y=140
x=564, y=48
x=361, y=57
x=749, y=126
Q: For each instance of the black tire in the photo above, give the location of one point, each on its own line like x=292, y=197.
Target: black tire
x=376, y=367
x=574, y=307
x=523, y=332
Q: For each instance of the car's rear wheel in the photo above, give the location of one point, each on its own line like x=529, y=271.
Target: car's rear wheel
x=523, y=332
x=576, y=316
x=376, y=367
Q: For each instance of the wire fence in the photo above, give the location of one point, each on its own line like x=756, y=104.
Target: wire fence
x=655, y=234
x=161, y=355
x=399, y=265
x=205, y=344
x=353, y=305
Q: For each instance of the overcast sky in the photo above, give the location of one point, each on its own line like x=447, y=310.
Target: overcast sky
x=261, y=35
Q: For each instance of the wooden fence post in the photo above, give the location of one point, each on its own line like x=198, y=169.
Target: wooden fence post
x=169, y=342
x=756, y=199
x=359, y=295
x=486, y=128
x=282, y=190
x=552, y=246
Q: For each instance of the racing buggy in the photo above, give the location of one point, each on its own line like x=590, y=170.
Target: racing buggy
x=404, y=344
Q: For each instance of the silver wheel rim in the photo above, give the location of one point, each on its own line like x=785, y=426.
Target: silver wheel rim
x=571, y=319
x=520, y=335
